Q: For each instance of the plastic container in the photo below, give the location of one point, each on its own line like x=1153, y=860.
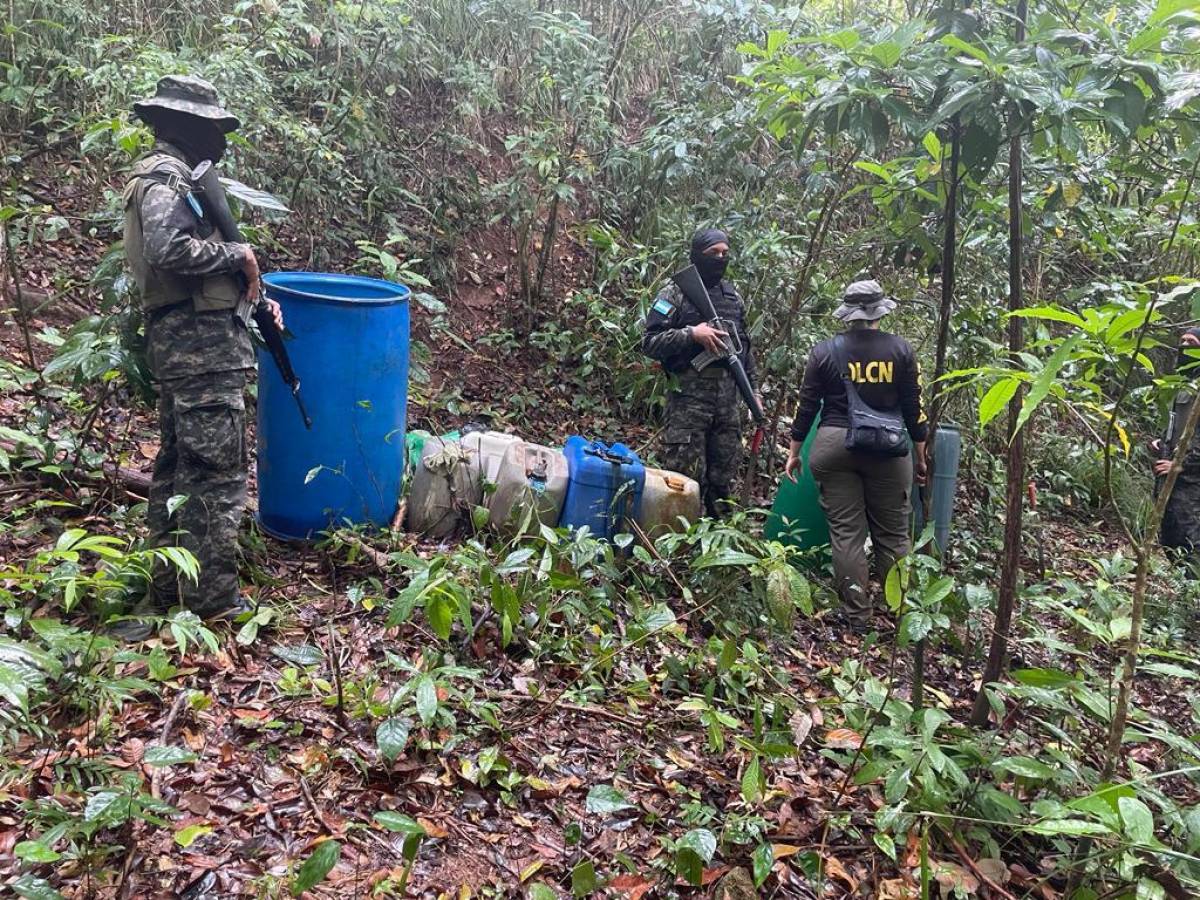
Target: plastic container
x=531, y=484
x=796, y=516
x=486, y=450
x=348, y=340
x=947, y=452
x=605, y=486
x=443, y=488
x=666, y=497
x=414, y=444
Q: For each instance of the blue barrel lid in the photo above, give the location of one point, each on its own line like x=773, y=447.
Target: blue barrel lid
x=330, y=287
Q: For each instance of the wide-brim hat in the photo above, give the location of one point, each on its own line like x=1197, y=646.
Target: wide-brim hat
x=864, y=301
x=190, y=95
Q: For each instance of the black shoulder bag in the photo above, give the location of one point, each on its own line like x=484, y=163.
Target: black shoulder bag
x=870, y=431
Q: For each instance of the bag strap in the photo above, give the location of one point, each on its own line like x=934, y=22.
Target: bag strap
x=842, y=360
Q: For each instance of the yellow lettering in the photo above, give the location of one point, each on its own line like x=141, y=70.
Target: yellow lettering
x=873, y=371
x=886, y=371
x=854, y=374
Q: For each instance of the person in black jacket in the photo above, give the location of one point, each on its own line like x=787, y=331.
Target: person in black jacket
x=861, y=493
x=1181, y=519
x=703, y=434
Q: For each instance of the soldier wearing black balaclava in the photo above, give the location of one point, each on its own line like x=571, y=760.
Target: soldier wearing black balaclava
x=1181, y=519
x=702, y=438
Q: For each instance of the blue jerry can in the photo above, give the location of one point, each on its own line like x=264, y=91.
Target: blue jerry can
x=604, y=486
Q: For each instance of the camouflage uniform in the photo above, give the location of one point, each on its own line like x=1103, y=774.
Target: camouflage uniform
x=199, y=352
x=1181, y=519
x=703, y=434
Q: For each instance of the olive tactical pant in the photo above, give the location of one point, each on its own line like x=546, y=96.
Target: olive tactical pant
x=861, y=494
x=703, y=435
x=202, y=463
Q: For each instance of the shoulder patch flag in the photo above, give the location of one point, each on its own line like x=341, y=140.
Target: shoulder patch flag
x=664, y=306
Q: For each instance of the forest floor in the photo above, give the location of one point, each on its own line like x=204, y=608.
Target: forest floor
x=282, y=766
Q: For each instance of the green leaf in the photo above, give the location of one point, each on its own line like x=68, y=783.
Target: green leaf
x=1137, y=819
x=14, y=686
x=885, y=843
x=846, y=39
x=693, y=852
x=725, y=557
x=1147, y=39
x=956, y=43
x=185, y=837
x=689, y=866
x=168, y=756
x=1047, y=678
x=932, y=146
x=1045, y=379
x=887, y=53
x=31, y=887
x=106, y=806
x=539, y=890
x=875, y=169
x=392, y=737
x=996, y=399
x=253, y=196
x=762, y=861
x=299, y=654
x=35, y=852
x=398, y=822
x=752, y=783
x=1068, y=827
x=1050, y=314
x=316, y=867
x=604, y=799
x=583, y=879
x=441, y=614
x=1026, y=767
x=427, y=700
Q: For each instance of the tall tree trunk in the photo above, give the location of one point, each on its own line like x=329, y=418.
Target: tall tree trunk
x=1010, y=567
x=946, y=310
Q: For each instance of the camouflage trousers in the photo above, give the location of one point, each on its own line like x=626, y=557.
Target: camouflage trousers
x=198, y=491
x=1181, y=520
x=703, y=435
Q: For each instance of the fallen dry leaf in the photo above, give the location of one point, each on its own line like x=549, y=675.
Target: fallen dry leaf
x=835, y=869
x=994, y=869
x=801, y=724
x=843, y=739
x=633, y=886
x=954, y=879
x=896, y=889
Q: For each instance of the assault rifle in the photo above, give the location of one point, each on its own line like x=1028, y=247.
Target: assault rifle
x=693, y=288
x=212, y=198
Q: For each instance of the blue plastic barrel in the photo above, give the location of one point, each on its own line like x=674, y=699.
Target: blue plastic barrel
x=947, y=451
x=347, y=337
x=604, y=486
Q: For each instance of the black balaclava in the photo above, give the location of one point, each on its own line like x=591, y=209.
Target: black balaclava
x=1191, y=363
x=711, y=269
x=198, y=138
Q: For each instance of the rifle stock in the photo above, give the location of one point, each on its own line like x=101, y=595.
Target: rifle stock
x=693, y=288
x=212, y=197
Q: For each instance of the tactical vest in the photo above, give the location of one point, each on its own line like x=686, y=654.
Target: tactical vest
x=159, y=287
x=727, y=305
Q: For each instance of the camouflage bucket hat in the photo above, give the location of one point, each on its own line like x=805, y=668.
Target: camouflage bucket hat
x=864, y=301
x=187, y=94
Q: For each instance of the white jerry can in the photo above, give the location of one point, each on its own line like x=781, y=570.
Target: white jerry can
x=667, y=496
x=530, y=488
x=442, y=489
x=485, y=452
